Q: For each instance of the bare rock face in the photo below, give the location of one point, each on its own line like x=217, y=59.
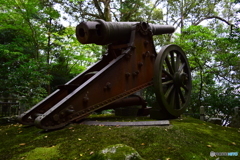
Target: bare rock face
x=117, y=152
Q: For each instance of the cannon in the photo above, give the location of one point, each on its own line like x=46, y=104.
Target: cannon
x=129, y=65
x=103, y=33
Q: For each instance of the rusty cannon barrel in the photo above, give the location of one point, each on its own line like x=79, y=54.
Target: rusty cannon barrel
x=102, y=33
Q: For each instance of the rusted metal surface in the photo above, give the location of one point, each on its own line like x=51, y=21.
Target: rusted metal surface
x=127, y=68
x=29, y=116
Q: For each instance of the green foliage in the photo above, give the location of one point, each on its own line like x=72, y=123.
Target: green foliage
x=221, y=102
x=197, y=42
x=70, y=58
x=37, y=52
x=133, y=10
x=129, y=10
x=149, y=96
x=21, y=76
x=213, y=59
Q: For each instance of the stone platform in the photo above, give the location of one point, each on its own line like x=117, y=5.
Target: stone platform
x=138, y=123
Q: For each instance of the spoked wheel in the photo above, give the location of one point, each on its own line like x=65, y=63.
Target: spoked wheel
x=172, y=79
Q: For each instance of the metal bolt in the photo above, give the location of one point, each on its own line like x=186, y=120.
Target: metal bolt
x=127, y=74
x=144, y=55
x=140, y=64
x=70, y=107
x=153, y=55
x=134, y=74
x=69, y=111
x=85, y=99
x=108, y=86
x=128, y=55
x=146, y=43
x=147, y=53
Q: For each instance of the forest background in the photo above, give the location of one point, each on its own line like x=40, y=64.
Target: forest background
x=39, y=50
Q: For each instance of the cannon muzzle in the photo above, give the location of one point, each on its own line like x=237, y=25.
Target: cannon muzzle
x=102, y=33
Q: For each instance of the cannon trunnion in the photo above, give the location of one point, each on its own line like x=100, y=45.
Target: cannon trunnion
x=131, y=64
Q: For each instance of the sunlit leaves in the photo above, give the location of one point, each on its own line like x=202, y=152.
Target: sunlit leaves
x=198, y=43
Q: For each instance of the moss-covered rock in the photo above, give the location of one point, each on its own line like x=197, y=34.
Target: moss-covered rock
x=117, y=152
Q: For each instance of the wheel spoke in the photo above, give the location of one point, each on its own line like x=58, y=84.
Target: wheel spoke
x=173, y=61
x=185, y=88
x=171, y=98
x=169, y=65
x=167, y=82
x=181, y=67
x=168, y=91
x=168, y=74
x=181, y=96
x=177, y=62
x=177, y=99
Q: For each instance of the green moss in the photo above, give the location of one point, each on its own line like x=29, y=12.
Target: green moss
x=41, y=153
x=117, y=152
x=186, y=138
x=112, y=117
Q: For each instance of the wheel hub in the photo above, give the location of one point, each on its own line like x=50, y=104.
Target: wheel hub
x=179, y=78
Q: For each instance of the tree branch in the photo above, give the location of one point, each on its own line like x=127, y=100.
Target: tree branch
x=115, y=16
x=93, y=15
x=212, y=17
x=99, y=9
